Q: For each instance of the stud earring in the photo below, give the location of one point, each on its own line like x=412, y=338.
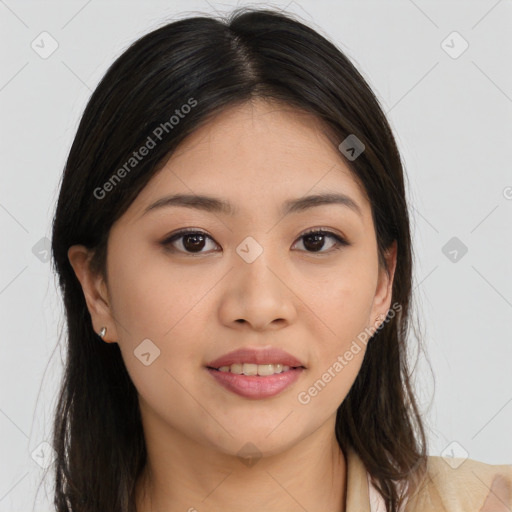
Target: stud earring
x=379, y=319
x=102, y=332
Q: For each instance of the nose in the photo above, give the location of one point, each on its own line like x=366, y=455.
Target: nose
x=258, y=294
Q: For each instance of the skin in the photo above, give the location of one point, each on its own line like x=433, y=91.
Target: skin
x=310, y=302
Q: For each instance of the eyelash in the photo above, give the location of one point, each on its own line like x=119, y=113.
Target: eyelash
x=340, y=241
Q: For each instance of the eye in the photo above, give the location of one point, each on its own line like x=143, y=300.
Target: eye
x=315, y=240
x=192, y=242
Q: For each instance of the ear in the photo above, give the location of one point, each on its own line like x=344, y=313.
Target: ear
x=95, y=291
x=384, y=290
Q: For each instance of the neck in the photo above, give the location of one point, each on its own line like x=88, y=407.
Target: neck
x=310, y=475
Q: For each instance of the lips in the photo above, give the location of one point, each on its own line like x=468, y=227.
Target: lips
x=269, y=355
x=255, y=387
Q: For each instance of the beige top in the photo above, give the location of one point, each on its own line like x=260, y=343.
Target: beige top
x=461, y=486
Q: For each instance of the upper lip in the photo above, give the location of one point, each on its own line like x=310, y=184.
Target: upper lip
x=268, y=355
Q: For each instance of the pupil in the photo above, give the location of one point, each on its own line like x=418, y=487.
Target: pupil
x=318, y=241
x=195, y=245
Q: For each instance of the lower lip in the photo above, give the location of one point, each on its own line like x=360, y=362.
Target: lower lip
x=255, y=386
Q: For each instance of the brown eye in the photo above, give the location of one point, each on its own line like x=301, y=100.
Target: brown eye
x=190, y=241
x=314, y=241
x=193, y=242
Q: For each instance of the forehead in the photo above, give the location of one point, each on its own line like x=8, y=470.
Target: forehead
x=256, y=153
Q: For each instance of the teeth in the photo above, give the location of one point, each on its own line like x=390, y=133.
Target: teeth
x=254, y=369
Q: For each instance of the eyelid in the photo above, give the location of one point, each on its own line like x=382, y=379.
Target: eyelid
x=185, y=231
x=341, y=240
x=323, y=229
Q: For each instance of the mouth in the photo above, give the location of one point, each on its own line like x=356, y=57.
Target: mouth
x=252, y=385
x=255, y=370
x=256, y=360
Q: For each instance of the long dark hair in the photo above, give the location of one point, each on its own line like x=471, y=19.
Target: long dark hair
x=210, y=64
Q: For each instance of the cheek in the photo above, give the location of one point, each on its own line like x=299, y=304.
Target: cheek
x=342, y=306
x=156, y=302
x=152, y=297
x=343, y=297
x=339, y=349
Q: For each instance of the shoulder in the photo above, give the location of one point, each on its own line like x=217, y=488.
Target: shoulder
x=452, y=484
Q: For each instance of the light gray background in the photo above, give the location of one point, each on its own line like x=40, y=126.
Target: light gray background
x=453, y=123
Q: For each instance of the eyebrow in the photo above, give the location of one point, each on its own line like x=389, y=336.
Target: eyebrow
x=216, y=205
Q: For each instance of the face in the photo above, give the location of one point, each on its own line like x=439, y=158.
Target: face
x=252, y=278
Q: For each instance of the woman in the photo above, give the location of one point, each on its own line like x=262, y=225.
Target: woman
x=233, y=247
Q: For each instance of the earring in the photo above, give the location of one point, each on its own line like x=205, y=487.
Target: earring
x=379, y=319
x=102, y=332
